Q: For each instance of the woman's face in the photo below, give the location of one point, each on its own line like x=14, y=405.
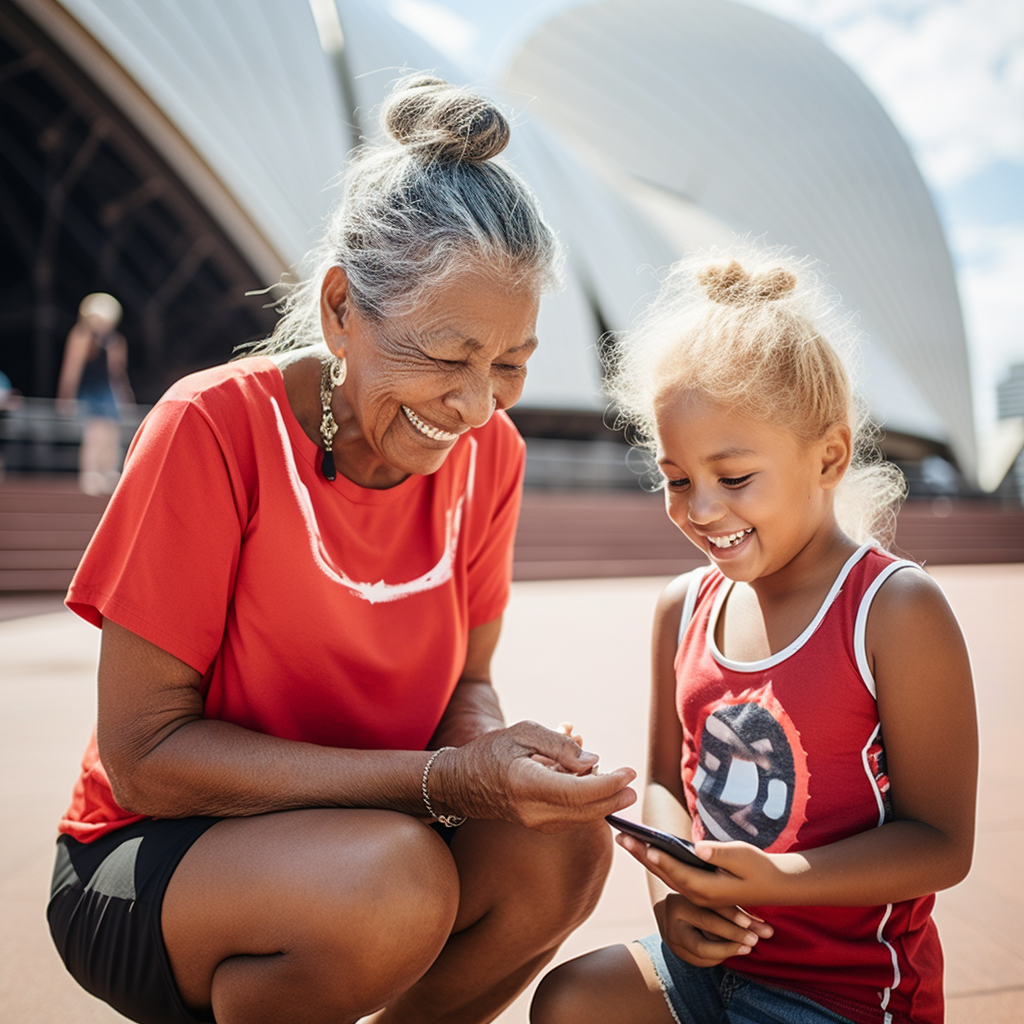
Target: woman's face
x=419, y=381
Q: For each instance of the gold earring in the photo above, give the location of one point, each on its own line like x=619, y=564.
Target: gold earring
x=332, y=374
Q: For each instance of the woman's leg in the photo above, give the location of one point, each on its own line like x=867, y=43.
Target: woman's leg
x=309, y=916
x=615, y=985
x=522, y=893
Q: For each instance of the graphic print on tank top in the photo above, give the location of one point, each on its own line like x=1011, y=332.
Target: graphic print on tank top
x=751, y=781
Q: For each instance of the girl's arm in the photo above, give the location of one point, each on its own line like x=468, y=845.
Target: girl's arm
x=929, y=729
x=164, y=759
x=706, y=935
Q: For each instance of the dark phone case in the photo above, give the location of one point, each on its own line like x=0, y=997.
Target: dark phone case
x=672, y=845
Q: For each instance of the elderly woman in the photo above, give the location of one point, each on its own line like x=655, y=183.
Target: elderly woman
x=300, y=582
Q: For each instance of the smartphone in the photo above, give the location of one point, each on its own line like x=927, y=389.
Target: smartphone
x=672, y=845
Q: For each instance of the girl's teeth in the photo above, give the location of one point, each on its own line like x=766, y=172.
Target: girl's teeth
x=729, y=540
x=434, y=433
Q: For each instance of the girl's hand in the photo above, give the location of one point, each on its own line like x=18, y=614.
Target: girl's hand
x=705, y=936
x=534, y=776
x=745, y=875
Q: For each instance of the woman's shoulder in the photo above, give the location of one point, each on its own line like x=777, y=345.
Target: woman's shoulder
x=240, y=378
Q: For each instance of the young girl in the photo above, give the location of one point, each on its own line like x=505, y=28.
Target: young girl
x=814, y=690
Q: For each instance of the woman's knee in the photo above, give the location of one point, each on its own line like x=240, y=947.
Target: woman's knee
x=573, y=872
x=370, y=897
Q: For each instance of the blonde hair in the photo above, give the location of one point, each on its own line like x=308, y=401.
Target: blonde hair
x=758, y=332
x=102, y=305
x=420, y=208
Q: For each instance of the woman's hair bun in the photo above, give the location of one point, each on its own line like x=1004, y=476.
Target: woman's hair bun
x=440, y=121
x=731, y=285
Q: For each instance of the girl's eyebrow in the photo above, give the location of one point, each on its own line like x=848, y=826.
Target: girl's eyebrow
x=730, y=453
x=725, y=453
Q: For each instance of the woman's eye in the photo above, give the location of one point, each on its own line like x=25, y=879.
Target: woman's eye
x=735, y=481
x=682, y=481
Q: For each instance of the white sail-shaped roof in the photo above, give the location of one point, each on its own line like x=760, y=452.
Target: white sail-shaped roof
x=747, y=117
x=607, y=243
x=687, y=120
x=248, y=86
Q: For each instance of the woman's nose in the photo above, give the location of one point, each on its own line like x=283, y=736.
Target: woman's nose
x=474, y=402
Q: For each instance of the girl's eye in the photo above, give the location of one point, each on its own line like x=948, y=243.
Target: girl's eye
x=736, y=481
x=683, y=481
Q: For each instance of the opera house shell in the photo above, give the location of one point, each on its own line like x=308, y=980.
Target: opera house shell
x=183, y=153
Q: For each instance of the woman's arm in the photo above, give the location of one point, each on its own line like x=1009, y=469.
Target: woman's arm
x=164, y=759
x=926, y=706
x=474, y=708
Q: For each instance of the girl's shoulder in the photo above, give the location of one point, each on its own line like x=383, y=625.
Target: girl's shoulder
x=679, y=598
x=902, y=597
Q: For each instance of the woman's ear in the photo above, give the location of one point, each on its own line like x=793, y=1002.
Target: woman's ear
x=836, y=453
x=334, y=310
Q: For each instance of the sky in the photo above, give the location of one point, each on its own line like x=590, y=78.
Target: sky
x=950, y=74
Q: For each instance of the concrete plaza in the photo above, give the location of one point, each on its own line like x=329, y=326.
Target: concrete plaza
x=571, y=650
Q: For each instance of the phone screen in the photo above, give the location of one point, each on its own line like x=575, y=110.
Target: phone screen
x=672, y=845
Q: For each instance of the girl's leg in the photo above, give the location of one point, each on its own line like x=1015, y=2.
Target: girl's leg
x=615, y=985
x=522, y=893
x=309, y=916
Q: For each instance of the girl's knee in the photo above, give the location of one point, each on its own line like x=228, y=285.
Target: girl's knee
x=568, y=994
x=605, y=985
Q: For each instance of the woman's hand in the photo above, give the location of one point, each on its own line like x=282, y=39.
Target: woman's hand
x=705, y=936
x=537, y=777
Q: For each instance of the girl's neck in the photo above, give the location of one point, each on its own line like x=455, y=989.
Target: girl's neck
x=765, y=616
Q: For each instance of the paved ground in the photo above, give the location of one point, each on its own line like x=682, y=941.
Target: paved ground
x=571, y=650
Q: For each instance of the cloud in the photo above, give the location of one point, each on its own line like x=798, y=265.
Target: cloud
x=445, y=29
x=949, y=72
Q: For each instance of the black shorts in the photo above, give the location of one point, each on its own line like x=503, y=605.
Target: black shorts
x=104, y=916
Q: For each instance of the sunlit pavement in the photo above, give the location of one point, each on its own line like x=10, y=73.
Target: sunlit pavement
x=577, y=651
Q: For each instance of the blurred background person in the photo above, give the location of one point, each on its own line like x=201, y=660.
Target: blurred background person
x=94, y=373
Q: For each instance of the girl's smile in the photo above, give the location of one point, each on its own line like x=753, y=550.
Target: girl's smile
x=751, y=495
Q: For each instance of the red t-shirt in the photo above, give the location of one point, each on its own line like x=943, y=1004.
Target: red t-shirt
x=314, y=610
x=787, y=754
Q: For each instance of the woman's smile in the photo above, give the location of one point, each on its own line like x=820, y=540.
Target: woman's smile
x=428, y=430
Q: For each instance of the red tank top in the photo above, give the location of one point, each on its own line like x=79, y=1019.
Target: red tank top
x=787, y=754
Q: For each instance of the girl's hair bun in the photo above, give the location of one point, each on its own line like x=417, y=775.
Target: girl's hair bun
x=730, y=285
x=442, y=122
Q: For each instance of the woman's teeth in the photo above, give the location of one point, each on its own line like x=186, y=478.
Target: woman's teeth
x=434, y=433
x=730, y=539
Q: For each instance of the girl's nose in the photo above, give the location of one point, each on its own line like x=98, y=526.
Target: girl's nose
x=703, y=510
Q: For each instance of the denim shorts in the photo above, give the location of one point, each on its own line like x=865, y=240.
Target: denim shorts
x=716, y=995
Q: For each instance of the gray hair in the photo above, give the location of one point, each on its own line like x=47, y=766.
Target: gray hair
x=426, y=205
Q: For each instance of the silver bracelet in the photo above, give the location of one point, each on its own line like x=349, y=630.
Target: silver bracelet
x=448, y=820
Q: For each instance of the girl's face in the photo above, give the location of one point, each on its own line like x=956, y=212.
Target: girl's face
x=418, y=382
x=747, y=493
